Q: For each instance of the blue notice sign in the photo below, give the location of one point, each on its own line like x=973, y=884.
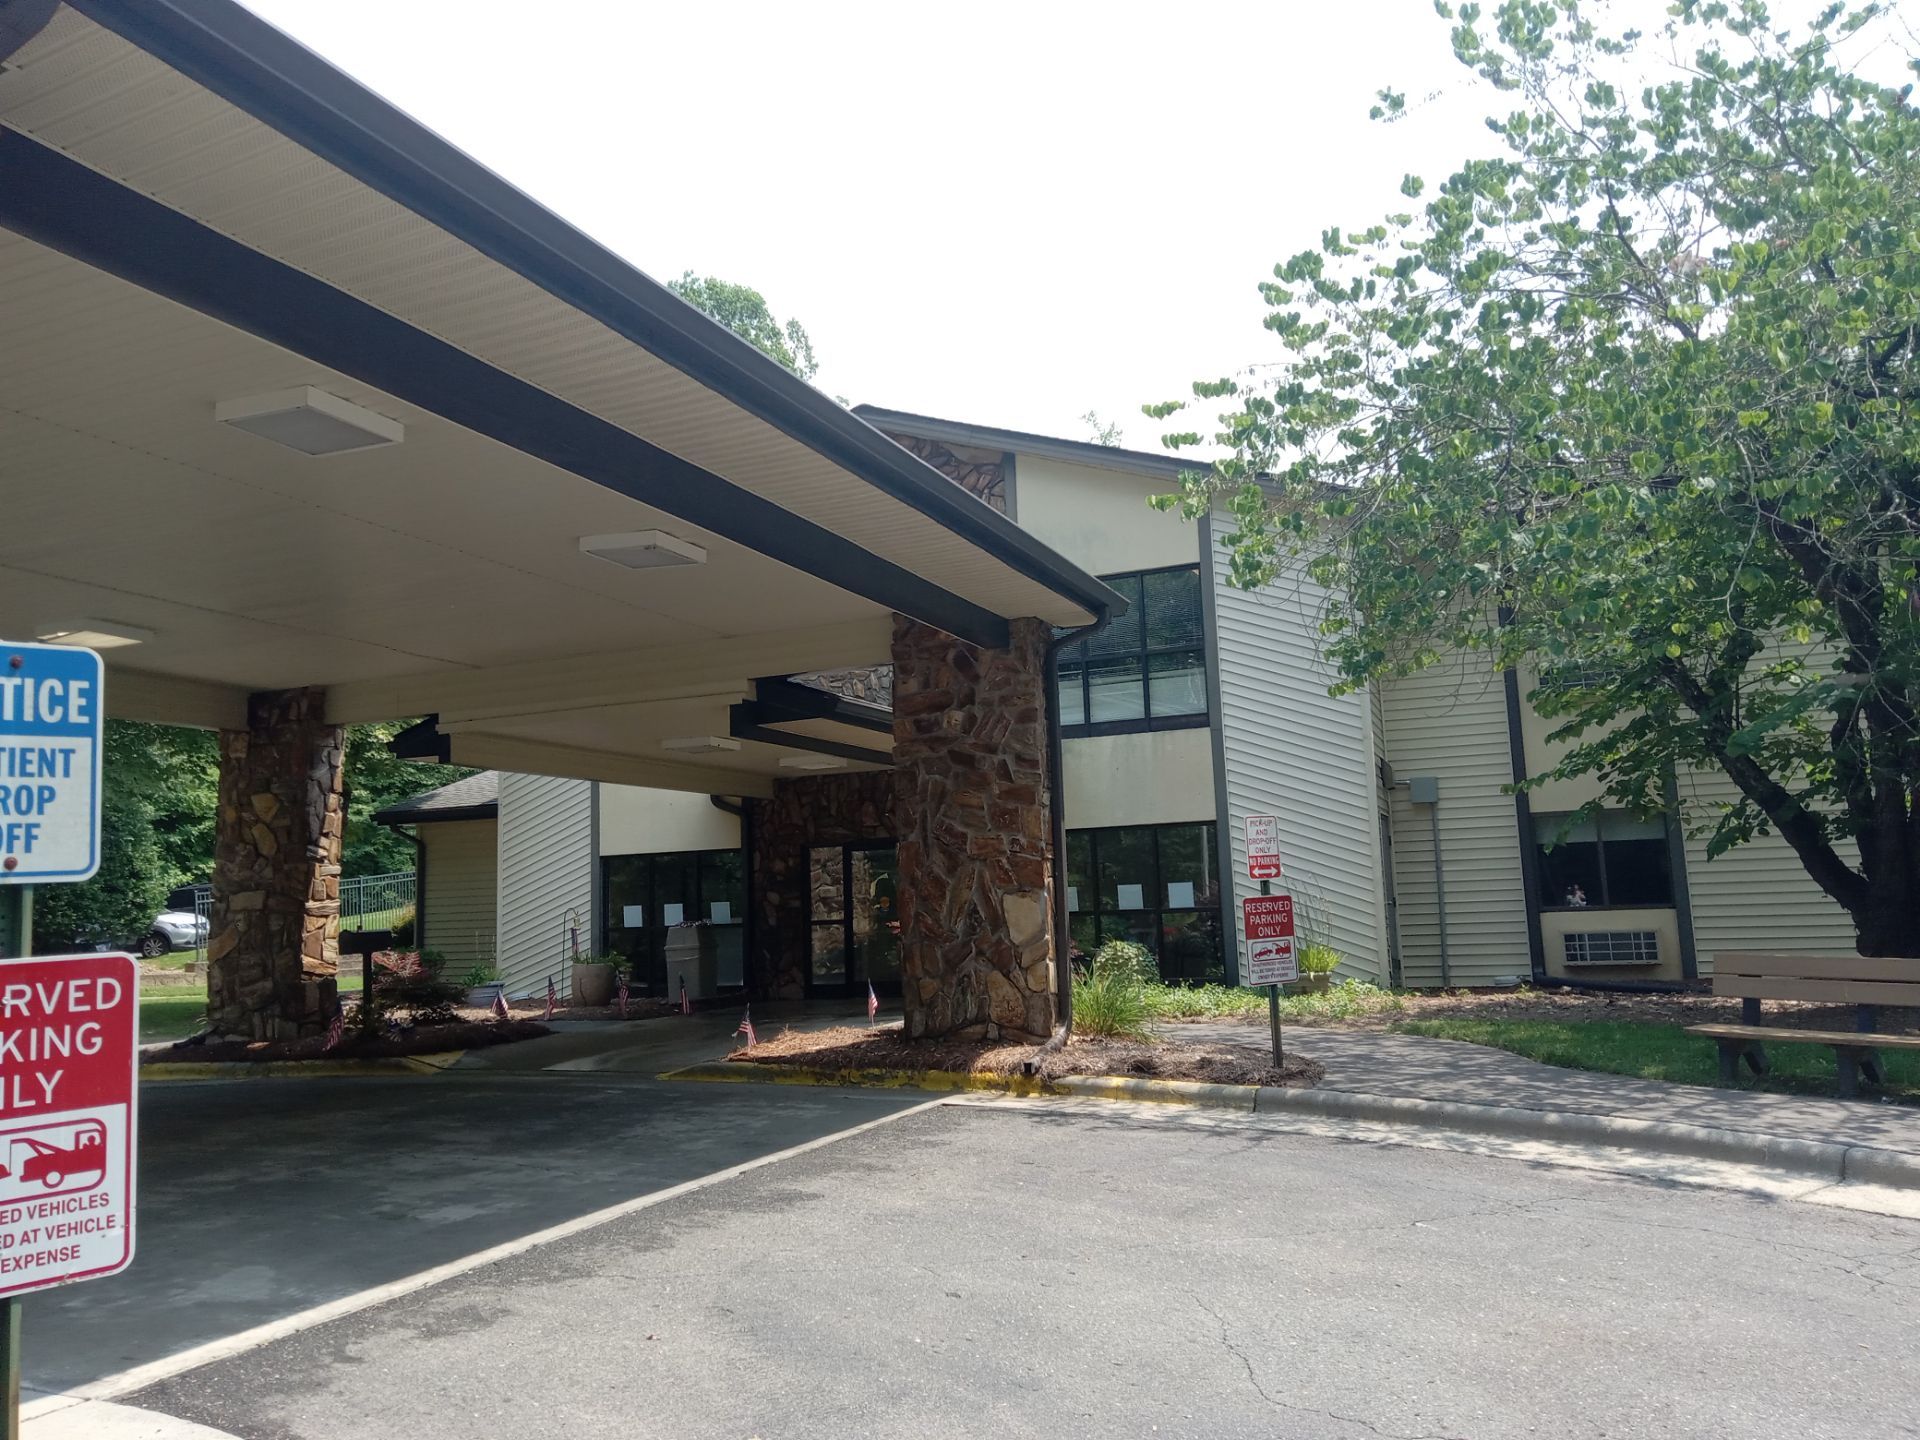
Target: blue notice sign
x=51, y=719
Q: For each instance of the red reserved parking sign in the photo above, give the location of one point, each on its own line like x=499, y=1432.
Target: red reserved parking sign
x=69, y=1052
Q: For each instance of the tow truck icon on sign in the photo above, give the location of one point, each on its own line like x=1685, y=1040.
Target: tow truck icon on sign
x=54, y=1159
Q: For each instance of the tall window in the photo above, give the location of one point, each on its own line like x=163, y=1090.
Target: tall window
x=1148, y=669
x=1156, y=885
x=1611, y=859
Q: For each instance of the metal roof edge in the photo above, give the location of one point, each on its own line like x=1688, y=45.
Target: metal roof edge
x=280, y=82
x=988, y=437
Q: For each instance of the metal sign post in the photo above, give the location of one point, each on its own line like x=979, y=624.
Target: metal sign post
x=1273, y=1000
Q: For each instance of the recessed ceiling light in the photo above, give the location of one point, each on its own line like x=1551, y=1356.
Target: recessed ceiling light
x=95, y=634
x=310, y=421
x=812, y=762
x=644, y=549
x=699, y=744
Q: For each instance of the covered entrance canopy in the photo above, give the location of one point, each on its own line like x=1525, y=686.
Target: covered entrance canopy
x=217, y=253
x=309, y=419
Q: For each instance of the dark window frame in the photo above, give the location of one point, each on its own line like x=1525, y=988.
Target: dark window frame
x=1092, y=908
x=1076, y=660
x=1547, y=825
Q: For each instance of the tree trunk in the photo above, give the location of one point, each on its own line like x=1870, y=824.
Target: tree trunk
x=1887, y=922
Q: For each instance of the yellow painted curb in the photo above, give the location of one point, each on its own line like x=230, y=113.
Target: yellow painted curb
x=295, y=1069
x=753, y=1073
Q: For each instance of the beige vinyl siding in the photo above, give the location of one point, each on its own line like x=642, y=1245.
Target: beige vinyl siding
x=1294, y=751
x=1756, y=896
x=1450, y=721
x=462, y=896
x=547, y=859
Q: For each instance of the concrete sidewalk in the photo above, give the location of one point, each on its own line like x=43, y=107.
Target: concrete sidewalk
x=1417, y=1067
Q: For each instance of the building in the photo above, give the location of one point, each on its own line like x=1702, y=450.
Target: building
x=1404, y=845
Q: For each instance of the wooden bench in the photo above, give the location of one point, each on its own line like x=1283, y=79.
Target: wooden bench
x=1864, y=982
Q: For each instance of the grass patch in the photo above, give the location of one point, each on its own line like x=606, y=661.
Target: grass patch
x=168, y=1016
x=1662, y=1052
x=1345, y=1000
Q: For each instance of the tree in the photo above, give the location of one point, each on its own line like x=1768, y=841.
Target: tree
x=157, y=809
x=745, y=312
x=1632, y=407
x=375, y=778
x=1102, y=432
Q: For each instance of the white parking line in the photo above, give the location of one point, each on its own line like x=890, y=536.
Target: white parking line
x=141, y=1376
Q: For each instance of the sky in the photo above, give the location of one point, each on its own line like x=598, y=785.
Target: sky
x=1008, y=214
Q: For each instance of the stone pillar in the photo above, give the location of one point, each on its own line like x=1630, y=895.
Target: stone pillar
x=971, y=809
x=272, y=955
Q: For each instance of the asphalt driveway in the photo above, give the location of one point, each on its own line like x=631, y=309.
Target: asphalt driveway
x=1006, y=1272
x=259, y=1199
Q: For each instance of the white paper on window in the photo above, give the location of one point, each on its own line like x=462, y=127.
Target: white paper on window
x=721, y=912
x=1131, y=897
x=633, y=917
x=672, y=914
x=1073, y=897
x=1180, y=895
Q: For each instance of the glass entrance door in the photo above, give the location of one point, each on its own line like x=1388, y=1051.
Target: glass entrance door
x=854, y=919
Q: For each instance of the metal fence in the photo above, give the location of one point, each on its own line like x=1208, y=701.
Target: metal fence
x=377, y=902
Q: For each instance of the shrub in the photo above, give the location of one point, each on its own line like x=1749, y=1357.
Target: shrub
x=477, y=975
x=415, y=983
x=1112, y=999
x=1317, y=958
x=405, y=924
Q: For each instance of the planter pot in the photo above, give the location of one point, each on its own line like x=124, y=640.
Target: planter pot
x=481, y=997
x=1311, y=984
x=593, y=984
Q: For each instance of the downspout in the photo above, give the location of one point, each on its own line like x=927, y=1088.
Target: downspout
x=1056, y=787
x=419, y=885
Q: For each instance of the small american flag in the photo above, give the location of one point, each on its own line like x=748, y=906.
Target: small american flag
x=873, y=1003
x=746, y=1027
x=336, y=1027
x=500, y=1006
x=552, y=999
x=623, y=994
x=686, y=1005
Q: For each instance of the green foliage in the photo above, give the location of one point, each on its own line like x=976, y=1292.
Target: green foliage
x=405, y=924
x=1633, y=400
x=744, y=310
x=156, y=821
x=1318, y=959
x=477, y=975
x=1112, y=998
x=1346, y=1000
x=1102, y=432
x=376, y=778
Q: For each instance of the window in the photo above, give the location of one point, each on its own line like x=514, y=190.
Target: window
x=1611, y=859
x=1148, y=669
x=648, y=895
x=1156, y=885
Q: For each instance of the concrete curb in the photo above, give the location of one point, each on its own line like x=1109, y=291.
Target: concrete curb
x=432, y=1064
x=748, y=1072
x=1823, y=1160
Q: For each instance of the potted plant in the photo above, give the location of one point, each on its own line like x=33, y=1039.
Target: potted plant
x=483, y=986
x=594, y=978
x=1317, y=963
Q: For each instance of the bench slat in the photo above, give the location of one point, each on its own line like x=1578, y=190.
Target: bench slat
x=1848, y=1039
x=1828, y=992
x=1817, y=967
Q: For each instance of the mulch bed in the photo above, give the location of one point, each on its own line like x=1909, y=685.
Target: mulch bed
x=886, y=1047
x=419, y=1040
